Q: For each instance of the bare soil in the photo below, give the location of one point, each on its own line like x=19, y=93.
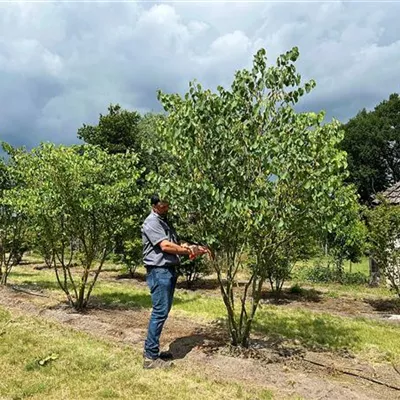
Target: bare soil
x=284, y=367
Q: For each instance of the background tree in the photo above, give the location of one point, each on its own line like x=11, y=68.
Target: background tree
x=13, y=242
x=120, y=131
x=123, y=130
x=372, y=142
x=258, y=176
x=384, y=240
x=278, y=272
x=116, y=132
x=78, y=199
x=347, y=241
x=13, y=224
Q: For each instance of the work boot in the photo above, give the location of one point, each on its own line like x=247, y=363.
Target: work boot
x=149, y=363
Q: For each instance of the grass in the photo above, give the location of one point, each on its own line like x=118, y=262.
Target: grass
x=372, y=339
x=336, y=290
x=88, y=368
x=362, y=266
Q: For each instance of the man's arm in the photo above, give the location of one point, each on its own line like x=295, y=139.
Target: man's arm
x=172, y=248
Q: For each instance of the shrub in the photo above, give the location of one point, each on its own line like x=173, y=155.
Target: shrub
x=132, y=254
x=192, y=270
x=323, y=274
x=384, y=240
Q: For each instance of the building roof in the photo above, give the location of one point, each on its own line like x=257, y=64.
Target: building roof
x=392, y=194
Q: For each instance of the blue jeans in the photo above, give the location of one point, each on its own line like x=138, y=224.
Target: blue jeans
x=162, y=282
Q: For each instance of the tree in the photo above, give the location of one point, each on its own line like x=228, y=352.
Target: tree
x=13, y=224
x=78, y=198
x=347, y=242
x=286, y=257
x=372, y=142
x=12, y=236
x=258, y=177
x=383, y=223
x=120, y=131
x=116, y=132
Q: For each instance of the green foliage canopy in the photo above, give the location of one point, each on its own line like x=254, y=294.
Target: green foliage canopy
x=78, y=198
x=372, y=142
x=384, y=240
x=255, y=174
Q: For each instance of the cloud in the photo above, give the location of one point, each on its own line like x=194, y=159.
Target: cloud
x=61, y=64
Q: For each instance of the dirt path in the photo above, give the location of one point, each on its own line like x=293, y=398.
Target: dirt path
x=201, y=347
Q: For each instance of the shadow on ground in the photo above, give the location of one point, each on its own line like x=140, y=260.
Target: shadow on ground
x=201, y=284
x=204, y=284
x=385, y=305
x=138, y=276
x=30, y=262
x=275, y=336
x=288, y=296
x=124, y=301
x=209, y=338
x=15, y=274
x=182, y=346
x=313, y=331
x=39, y=284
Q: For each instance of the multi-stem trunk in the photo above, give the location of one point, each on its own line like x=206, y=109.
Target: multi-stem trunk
x=66, y=279
x=226, y=289
x=256, y=281
x=5, y=268
x=2, y=274
x=81, y=302
x=86, y=288
x=239, y=318
x=251, y=296
x=3, y=279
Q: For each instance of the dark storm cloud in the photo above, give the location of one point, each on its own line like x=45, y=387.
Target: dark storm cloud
x=63, y=64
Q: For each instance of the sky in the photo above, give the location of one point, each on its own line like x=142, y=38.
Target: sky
x=64, y=63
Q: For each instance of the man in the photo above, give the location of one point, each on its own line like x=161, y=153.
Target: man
x=161, y=256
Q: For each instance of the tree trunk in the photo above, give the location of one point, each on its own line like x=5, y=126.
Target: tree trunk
x=374, y=273
x=4, y=274
x=245, y=332
x=80, y=301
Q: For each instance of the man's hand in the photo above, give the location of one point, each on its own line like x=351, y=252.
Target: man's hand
x=173, y=248
x=198, y=251
x=207, y=250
